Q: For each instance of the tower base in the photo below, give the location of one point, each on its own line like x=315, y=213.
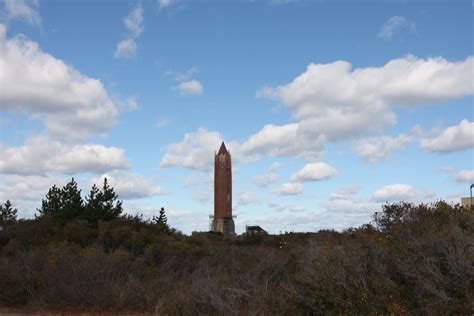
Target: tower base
x=223, y=225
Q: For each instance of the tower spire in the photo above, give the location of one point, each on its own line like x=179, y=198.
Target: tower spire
x=222, y=149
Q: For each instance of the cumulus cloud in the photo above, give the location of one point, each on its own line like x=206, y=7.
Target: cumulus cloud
x=334, y=102
x=454, y=138
x=314, y=172
x=130, y=185
x=268, y=177
x=42, y=155
x=196, y=151
x=245, y=198
x=401, y=192
x=339, y=102
x=285, y=140
x=191, y=87
x=26, y=188
x=465, y=176
x=38, y=85
x=394, y=25
x=289, y=189
x=26, y=10
x=378, y=148
x=127, y=48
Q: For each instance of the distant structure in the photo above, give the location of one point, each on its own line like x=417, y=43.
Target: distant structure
x=466, y=202
x=254, y=230
x=222, y=221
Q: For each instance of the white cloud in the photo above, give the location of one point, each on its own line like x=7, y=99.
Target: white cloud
x=345, y=212
x=454, y=138
x=279, y=207
x=186, y=84
x=43, y=87
x=465, y=176
x=165, y=3
x=335, y=102
x=26, y=192
x=26, y=188
x=344, y=193
x=395, y=24
x=191, y=87
x=297, y=208
x=196, y=151
x=338, y=102
x=377, y=148
x=401, y=192
x=184, y=76
x=275, y=166
x=134, y=21
x=26, y=10
x=197, y=148
x=289, y=189
x=245, y=198
x=126, y=48
x=314, y=172
x=130, y=185
x=284, y=140
x=41, y=155
x=269, y=177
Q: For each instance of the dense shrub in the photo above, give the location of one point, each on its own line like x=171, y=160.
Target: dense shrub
x=411, y=259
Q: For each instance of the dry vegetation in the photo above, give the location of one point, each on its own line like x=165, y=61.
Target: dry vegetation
x=413, y=259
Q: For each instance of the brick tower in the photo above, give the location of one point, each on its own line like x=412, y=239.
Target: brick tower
x=223, y=221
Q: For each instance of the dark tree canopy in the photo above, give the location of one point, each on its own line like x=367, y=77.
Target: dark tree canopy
x=102, y=205
x=162, y=221
x=8, y=214
x=66, y=204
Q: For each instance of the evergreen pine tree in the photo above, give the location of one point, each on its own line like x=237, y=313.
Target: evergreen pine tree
x=92, y=207
x=8, y=214
x=64, y=204
x=51, y=205
x=162, y=221
x=71, y=201
x=102, y=205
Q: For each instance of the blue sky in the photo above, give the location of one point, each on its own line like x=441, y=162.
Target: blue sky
x=329, y=108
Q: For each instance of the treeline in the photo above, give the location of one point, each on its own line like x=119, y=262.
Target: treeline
x=85, y=254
